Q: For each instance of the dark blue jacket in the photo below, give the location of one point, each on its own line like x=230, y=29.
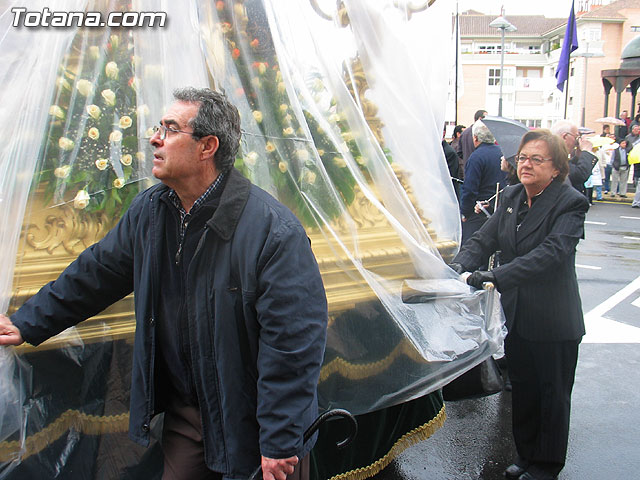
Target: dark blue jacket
x=481, y=173
x=257, y=317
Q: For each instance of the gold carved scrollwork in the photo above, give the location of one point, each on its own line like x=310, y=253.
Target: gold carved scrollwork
x=65, y=228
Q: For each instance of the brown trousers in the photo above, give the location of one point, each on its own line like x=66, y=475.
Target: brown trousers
x=183, y=448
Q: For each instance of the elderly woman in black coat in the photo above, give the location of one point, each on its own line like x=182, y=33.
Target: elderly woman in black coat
x=536, y=227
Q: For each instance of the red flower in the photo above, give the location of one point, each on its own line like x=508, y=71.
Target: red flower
x=254, y=43
x=220, y=5
x=235, y=53
x=239, y=92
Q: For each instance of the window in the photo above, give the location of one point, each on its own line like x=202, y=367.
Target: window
x=572, y=71
x=635, y=28
x=494, y=76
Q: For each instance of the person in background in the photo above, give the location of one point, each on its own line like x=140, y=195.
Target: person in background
x=231, y=313
x=466, y=145
x=633, y=138
x=482, y=174
x=594, y=182
x=455, y=138
x=607, y=154
x=620, y=172
x=606, y=130
x=581, y=160
x=452, y=164
x=623, y=130
x=635, y=121
x=537, y=227
x=636, y=182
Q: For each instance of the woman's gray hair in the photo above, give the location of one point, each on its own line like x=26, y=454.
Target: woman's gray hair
x=216, y=116
x=482, y=133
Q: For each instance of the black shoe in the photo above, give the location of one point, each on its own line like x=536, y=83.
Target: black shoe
x=531, y=476
x=514, y=471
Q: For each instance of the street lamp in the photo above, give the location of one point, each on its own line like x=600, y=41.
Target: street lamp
x=504, y=25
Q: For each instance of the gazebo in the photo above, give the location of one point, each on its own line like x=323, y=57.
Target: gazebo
x=627, y=75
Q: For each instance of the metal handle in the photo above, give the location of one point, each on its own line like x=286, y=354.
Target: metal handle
x=329, y=414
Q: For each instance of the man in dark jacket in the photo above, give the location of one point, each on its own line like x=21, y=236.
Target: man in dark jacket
x=482, y=173
x=581, y=160
x=230, y=309
x=465, y=145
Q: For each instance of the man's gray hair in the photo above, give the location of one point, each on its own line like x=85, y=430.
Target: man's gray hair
x=562, y=126
x=216, y=116
x=482, y=133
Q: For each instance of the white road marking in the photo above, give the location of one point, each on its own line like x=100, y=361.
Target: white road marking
x=588, y=267
x=636, y=302
x=603, y=330
x=631, y=238
x=630, y=218
x=594, y=223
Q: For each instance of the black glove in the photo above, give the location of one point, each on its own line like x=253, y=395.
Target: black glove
x=477, y=278
x=456, y=267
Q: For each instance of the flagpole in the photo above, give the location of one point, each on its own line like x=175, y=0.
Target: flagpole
x=457, y=56
x=566, y=85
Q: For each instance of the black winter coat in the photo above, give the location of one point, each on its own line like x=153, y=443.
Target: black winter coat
x=257, y=316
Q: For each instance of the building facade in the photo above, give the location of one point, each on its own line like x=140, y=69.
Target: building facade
x=529, y=91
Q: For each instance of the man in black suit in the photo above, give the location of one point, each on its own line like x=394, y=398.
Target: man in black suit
x=537, y=227
x=581, y=160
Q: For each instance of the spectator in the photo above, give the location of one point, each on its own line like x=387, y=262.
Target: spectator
x=581, y=160
x=466, y=145
x=623, y=130
x=482, y=174
x=452, y=164
x=620, y=173
x=636, y=182
x=455, y=139
x=633, y=138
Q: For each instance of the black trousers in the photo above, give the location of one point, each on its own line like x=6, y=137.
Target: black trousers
x=542, y=375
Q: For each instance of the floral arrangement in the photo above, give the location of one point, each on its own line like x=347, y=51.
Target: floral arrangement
x=286, y=148
x=91, y=158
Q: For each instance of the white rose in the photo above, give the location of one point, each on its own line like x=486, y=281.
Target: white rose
x=339, y=162
x=115, y=136
x=281, y=87
x=143, y=111
x=118, y=182
x=109, y=97
x=310, y=177
x=56, y=111
x=269, y=147
x=287, y=132
x=115, y=41
x=112, y=70
x=148, y=133
x=94, y=52
x=126, y=159
x=125, y=122
x=347, y=136
x=282, y=166
x=93, y=133
x=251, y=158
x=302, y=155
x=102, y=163
x=284, y=107
x=94, y=111
x=140, y=156
x=84, y=87
x=62, y=172
x=257, y=115
x=81, y=200
x=65, y=143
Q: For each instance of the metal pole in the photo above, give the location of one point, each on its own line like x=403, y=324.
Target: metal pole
x=584, y=91
x=501, y=73
x=457, y=58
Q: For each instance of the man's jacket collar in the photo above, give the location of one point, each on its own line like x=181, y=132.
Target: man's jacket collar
x=232, y=202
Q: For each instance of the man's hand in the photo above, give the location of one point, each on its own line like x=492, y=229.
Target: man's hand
x=9, y=333
x=477, y=278
x=584, y=144
x=278, y=468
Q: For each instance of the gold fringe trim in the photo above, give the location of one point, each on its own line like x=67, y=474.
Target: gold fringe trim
x=407, y=440
x=87, y=424
x=360, y=371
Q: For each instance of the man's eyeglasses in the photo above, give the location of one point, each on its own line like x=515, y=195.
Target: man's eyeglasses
x=535, y=160
x=163, y=131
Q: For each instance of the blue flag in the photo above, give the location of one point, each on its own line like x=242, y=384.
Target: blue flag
x=569, y=45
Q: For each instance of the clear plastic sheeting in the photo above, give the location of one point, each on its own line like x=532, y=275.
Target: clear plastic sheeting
x=342, y=114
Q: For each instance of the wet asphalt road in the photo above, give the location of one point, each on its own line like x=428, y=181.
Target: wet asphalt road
x=604, y=444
